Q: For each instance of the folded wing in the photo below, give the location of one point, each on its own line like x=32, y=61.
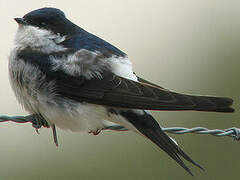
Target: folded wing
x=113, y=90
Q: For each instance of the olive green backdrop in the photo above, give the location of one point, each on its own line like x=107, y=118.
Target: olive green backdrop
x=187, y=46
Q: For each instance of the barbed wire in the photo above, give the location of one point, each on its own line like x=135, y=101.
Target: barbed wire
x=231, y=132
x=38, y=122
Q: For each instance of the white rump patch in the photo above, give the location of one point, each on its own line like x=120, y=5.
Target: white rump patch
x=122, y=67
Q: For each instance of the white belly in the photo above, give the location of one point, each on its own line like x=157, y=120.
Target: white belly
x=81, y=117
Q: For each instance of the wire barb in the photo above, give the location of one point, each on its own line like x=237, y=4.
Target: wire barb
x=38, y=121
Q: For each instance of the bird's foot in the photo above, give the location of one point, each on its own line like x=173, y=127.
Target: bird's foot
x=37, y=121
x=94, y=132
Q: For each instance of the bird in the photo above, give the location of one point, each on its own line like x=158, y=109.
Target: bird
x=80, y=82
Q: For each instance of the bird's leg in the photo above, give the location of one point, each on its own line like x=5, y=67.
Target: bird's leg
x=55, y=139
x=38, y=121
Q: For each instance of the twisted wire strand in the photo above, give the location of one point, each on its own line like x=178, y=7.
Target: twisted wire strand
x=38, y=122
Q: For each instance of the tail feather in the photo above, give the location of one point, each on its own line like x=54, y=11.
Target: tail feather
x=166, y=144
x=147, y=126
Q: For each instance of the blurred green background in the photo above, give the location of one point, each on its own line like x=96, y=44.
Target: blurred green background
x=186, y=46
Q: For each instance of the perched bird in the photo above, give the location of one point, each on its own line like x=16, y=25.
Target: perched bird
x=77, y=81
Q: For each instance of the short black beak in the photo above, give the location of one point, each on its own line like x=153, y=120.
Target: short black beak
x=20, y=21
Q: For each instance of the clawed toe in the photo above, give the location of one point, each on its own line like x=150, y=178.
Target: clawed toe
x=95, y=132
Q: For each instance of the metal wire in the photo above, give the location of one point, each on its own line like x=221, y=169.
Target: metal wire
x=38, y=122
x=231, y=132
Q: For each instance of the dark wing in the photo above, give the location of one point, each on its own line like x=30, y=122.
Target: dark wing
x=112, y=90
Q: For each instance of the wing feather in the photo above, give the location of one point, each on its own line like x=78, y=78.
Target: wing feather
x=113, y=90
x=116, y=91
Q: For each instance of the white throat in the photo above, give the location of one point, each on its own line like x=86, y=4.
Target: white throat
x=38, y=39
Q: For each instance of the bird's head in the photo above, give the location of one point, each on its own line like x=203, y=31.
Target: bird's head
x=44, y=26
